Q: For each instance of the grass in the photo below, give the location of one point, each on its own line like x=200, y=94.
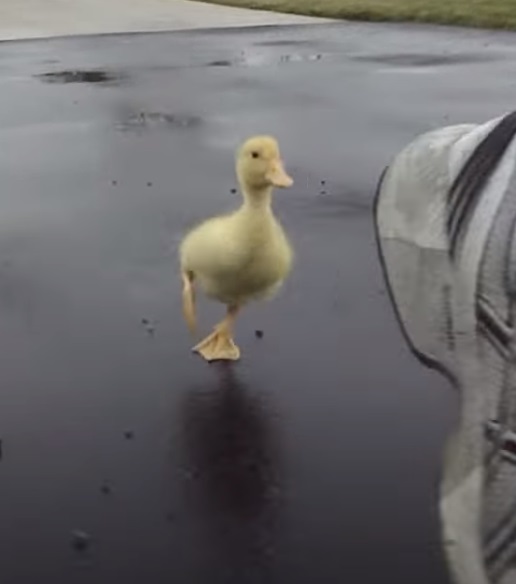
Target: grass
x=476, y=13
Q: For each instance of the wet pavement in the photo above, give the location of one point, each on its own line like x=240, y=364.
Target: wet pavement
x=125, y=458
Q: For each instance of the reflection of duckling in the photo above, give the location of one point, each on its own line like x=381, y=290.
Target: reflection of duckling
x=230, y=442
x=242, y=256
x=232, y=448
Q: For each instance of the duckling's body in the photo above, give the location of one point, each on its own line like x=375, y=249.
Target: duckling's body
x=238, y=258
x=242, y=256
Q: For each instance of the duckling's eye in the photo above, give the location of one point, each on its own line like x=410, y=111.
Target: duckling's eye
x=255, y=154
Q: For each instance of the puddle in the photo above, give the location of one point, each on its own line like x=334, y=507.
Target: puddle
x=259, y=60
x=147, y=120
x=423, y=60
x=297, y=58
x=99, y=76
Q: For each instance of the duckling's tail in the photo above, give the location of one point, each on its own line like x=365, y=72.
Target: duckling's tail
x=189, y=301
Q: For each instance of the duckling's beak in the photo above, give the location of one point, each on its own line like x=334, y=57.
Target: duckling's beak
x=277, y=175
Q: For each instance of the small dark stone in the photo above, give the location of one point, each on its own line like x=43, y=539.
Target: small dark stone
x=233, y=191
x=114, y=182
x=323, y=192
x=259, y=334
x=149, y=184
x=323, y=182
x=145, y=321
x=81, y=541
x=105, y=489
x=129, y=434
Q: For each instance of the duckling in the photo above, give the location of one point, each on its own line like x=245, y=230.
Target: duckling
x=240, y=257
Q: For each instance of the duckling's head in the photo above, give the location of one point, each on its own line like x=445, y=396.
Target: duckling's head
x=259, y=165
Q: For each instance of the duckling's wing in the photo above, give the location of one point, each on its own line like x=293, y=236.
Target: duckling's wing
x=211, y=247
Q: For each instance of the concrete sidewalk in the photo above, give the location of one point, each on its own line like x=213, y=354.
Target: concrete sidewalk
x=21, y=19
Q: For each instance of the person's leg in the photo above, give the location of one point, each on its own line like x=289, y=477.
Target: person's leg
x=445, y=219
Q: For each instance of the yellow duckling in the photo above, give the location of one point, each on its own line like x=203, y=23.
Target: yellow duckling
x=242, y=256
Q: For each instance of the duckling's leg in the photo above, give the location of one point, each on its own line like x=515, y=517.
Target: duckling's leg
x=189, y=301
x=219, y=346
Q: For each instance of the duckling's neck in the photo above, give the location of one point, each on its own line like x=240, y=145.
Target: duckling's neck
x=257, y=199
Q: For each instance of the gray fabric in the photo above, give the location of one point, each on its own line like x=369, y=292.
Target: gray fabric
x=496, y=308
x=458, y=313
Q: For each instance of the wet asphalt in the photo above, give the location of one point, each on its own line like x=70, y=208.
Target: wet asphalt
x=124, y=457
